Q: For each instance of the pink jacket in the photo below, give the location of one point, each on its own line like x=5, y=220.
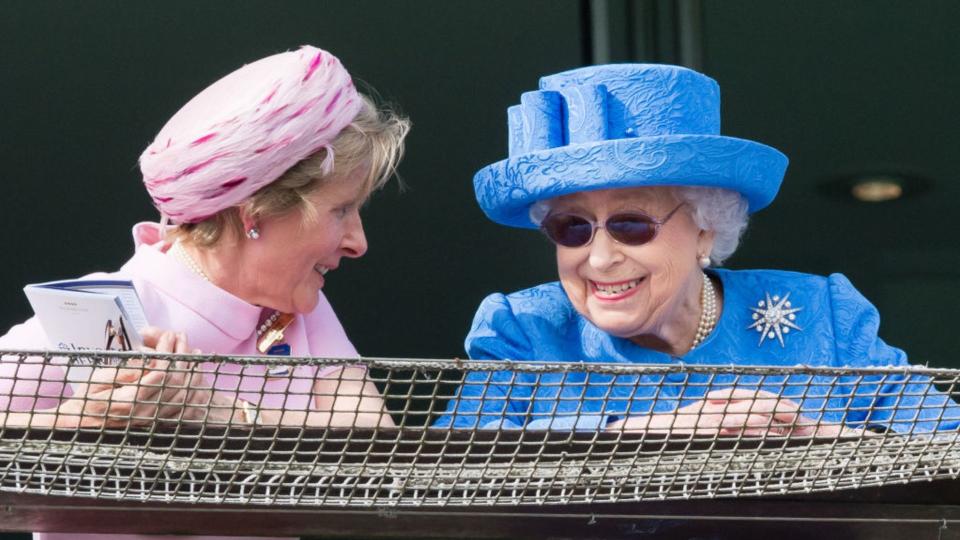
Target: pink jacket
x=176, y=298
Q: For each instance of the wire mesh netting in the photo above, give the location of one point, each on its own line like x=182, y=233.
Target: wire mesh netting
x=310, y=432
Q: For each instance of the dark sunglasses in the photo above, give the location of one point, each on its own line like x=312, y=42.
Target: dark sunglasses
x=628, y=228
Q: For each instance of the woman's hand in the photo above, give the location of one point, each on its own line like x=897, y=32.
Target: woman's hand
x=143, y=392
x=347, y=398
x=733, y=412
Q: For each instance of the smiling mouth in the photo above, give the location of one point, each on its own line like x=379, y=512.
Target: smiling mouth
x=615, y=290
x=322, y=270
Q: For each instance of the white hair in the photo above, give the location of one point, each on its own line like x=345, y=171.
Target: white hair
x=713, y=209
x=719, y=210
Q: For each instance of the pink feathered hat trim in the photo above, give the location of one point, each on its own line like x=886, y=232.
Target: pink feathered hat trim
x=245, y=130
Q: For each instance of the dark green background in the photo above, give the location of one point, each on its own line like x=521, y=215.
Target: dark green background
x=843, y=88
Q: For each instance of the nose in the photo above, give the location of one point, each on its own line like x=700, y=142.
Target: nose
x=604, y=252
x=354, y=243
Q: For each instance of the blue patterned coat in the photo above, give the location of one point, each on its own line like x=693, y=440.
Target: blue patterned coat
x=838, y=327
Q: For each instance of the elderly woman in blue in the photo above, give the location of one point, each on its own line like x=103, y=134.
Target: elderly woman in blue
x=623, y=167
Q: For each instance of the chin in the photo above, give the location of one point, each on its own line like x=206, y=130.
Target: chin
x=620, y=332
x=618, y=328
x=306, y=306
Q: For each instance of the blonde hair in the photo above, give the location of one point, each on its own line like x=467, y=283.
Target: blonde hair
x=373, y=140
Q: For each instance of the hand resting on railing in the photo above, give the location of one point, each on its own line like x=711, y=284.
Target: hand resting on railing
x=732, y=412
x=144, y=392
x=141, y=392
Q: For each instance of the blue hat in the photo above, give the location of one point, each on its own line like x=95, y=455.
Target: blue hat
x=621, y=125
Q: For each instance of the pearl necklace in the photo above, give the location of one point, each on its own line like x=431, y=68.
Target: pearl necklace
x=708, y=312
x=185, y=258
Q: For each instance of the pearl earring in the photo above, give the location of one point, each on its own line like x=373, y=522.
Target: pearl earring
x=704, y=261
x=253, y=233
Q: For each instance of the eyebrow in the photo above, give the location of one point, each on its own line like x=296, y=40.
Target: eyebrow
x=619, y=207
x=616, y=208
x=568, y=208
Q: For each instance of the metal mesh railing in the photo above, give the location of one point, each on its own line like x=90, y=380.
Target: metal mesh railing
x=308, y=432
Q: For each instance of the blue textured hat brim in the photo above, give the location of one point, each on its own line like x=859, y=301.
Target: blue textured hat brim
x=507, y=189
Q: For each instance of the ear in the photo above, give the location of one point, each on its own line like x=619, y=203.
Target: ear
x=705, y=242
x=247, y=218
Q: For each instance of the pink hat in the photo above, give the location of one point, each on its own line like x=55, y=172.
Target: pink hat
x=245, y=130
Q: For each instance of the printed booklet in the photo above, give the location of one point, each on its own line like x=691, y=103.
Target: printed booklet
x=80, y=315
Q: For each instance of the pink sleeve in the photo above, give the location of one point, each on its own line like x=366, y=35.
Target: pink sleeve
x=23, y=380
x=326, y=335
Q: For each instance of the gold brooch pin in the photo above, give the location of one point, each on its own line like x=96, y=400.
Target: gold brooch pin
x=272, y=330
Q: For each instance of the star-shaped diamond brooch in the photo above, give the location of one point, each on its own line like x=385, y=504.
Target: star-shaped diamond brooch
x=774, y=317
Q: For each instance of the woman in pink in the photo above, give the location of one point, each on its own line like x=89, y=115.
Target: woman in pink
x=259, y=180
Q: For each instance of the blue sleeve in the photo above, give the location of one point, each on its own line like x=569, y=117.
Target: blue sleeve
x=899, y=402
x=492, y=399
